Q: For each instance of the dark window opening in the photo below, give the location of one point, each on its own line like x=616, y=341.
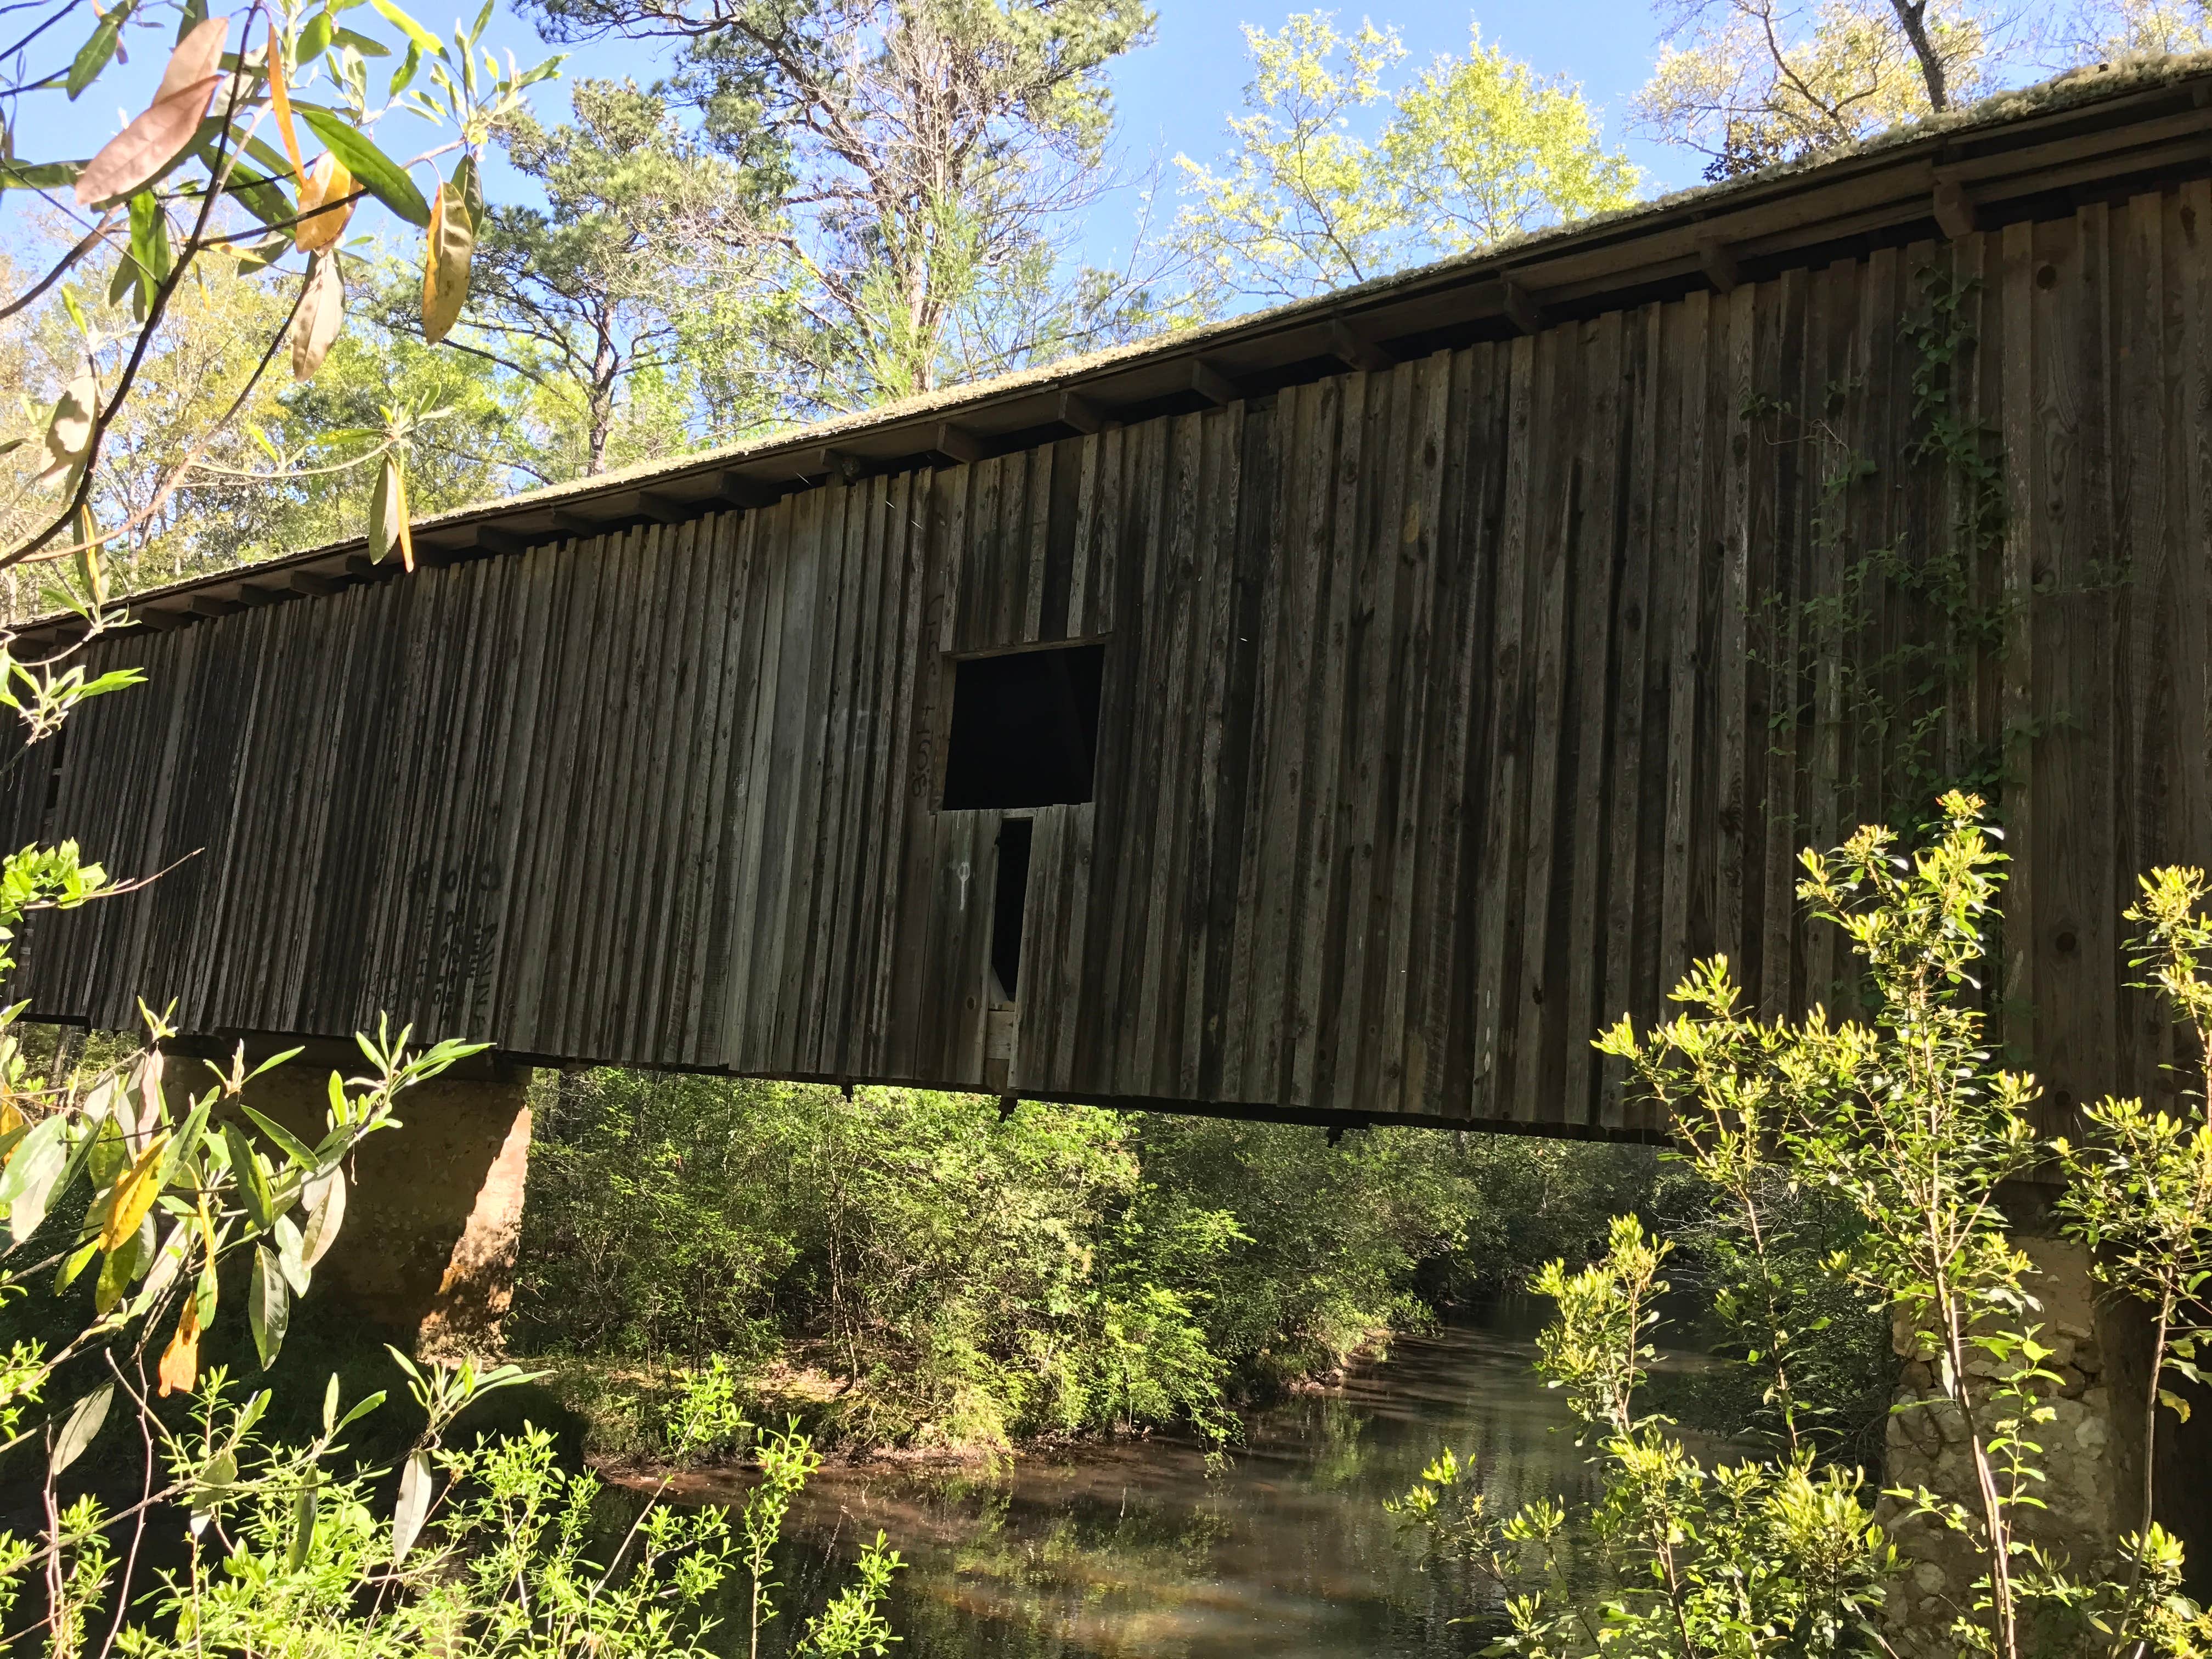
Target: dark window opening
x=1013, y=892
x=1024, y=728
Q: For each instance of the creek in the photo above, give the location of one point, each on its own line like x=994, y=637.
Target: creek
x=1136, y=1550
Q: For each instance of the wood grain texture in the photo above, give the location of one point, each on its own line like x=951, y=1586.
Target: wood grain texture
x=1450, y=710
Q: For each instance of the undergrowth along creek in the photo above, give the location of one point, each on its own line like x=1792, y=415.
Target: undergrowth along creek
x=906, y=1270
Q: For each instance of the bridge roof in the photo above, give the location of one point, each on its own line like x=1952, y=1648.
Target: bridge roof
x=2095, y=135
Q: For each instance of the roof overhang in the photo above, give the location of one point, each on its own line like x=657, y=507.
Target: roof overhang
x=2101, y=135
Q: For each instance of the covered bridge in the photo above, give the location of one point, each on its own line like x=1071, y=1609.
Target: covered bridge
x=1335, y=714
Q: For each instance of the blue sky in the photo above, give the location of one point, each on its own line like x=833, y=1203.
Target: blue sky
x=1173, y=95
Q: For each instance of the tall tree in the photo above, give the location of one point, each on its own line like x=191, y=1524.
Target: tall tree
x=592, y=300
x=1752, y=83
x=2102, y=29
x=1467, y=153
x=940, y=153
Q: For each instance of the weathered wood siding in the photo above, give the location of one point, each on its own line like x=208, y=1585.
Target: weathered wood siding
x=1449, y=712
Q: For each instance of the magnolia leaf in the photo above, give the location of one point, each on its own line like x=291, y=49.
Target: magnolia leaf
x=449, y=248
x=29, y=1182
x=288, y=1256
x=387, y=515
x=280, y=106
x=66, y=1275
x=135, y=1193
x=2174, y=1403
x=94, y=56
x=253, y=1183
x=180, y=1360
x=423, y=39
x=268, y=1305
x=167, y=1262
x=140, y=153
x=216, y=1478
x=68, y=433
x=322, y=313
x=324, y=204
x=82, y=1426
x=149, y=238
x=325, y=1197
x=289, y=1144
x=381, y=176
x=413, y=1505
x=304, y=1503
x=122, y=1264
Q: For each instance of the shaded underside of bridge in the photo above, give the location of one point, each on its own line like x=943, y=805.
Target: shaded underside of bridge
x=1337, y=715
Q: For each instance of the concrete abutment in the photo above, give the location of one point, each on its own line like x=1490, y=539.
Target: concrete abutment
x=434, y=1209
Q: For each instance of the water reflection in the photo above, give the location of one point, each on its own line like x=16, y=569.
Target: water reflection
x=1135, y=1550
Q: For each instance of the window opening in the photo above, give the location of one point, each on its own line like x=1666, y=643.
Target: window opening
x=1024, y=728
x=1013, y=897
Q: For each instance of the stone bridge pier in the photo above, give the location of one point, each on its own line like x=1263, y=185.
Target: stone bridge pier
x=434, y=1209
x=2092, y=1495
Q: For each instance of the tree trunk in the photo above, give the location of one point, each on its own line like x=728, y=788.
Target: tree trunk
x=1913, y=19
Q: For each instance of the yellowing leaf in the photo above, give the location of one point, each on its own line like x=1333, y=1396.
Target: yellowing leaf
x=322, y=312
x=136, y=1190
x=319, y=222
x=448, y=249
x=91, y=568
x=10, y=1120
x=139, y=153
x=280, y=106
x=69, y=435
x=388, y=515
x=180, y=1360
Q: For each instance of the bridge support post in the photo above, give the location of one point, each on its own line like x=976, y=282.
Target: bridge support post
x=434, y=1210
x=2092, y=1449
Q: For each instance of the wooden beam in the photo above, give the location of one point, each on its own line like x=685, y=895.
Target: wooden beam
x=1355, y=350
x=1079, y=414
x=955, y=444
x=1719, y=265
x=662, y=507
x=822, y=461
x=206, y=604
x=566, y=521
x=1522, y=308
x=1211, y=384
x=1954, y=209
x=159, y=619
x=740, y=490
x=307, y=582
x=253, y=593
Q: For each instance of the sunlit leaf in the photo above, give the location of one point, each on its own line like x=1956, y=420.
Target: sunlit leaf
x=322, y=312
x=268, y=1305
x=29, y=1182
x=304, y=1503
x=142, y=149
x=180, y=1360
x=326, y=1203
x=280, y=106
x=388, y=528
x=83, y=1425
x=399, y=20
x=413, y=1505
x=69, y=432
x=448, y=249
x=324, y=208
x=96, y=53
x=382, y=177
x=135, y=1193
